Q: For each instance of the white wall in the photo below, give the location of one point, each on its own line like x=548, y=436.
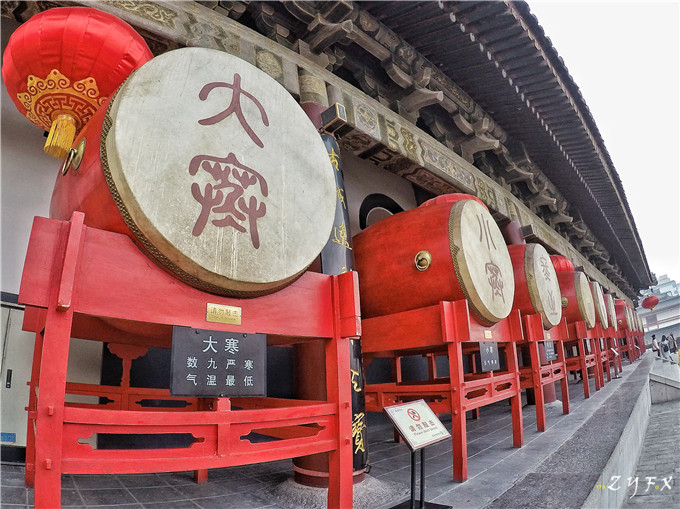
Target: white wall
x=28, y=175
x=363, y=178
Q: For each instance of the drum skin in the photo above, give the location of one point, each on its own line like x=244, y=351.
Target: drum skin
x=537, y=289
x=577, y=298
x=468, y=260
x=611, y=310
x=219, y=177
x=601, y=314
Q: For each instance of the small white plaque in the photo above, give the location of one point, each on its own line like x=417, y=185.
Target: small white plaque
x=417, y=424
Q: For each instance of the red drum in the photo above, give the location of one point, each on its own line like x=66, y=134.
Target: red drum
x=448, y=249
x=600, y=306
x=212, y=168
x=562, y=263
x=537, y=289
x=611, y=310
x=623, y=315
x=577, y=298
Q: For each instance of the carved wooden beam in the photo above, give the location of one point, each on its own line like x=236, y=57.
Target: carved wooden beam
x=374, y=132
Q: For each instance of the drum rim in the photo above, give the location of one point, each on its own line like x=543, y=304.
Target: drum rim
x=461, y=268
x=600, y=307
x=530, y=256
x=581, y=299
x=611, y=310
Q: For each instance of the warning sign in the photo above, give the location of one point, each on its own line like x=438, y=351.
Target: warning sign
x=417, y=424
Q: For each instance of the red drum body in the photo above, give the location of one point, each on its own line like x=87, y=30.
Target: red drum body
x=623, y=315
x=577, y=298
x=611, y=310
x=447, y=249
x=562, y=263
x=537, y=289
x=212, y=168
x=601, y=315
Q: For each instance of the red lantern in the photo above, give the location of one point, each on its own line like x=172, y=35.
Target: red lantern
x=650, y=301
x=62, y=64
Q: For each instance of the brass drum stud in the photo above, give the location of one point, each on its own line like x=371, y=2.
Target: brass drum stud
x=423, y=260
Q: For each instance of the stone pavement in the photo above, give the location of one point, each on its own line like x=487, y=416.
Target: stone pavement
x=655, y=484
x=554, y=469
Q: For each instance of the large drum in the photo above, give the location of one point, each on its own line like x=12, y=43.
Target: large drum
x=623, y=315
x=577, y=298
x=600, y=307
x=537, y=289
x=444, y=250
x=634, y=319
x=212, y=168
x=611, y=310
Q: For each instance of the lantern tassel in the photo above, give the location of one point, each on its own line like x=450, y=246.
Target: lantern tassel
x=61, y=136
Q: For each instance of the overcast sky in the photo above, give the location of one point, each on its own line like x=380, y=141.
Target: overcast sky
x=624, y=56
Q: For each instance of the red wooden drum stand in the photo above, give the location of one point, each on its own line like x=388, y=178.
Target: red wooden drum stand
x=447, y=328
x=601, y=354
x=538, y=374
x=625, y=334
x=584, y=360
x=75, y=274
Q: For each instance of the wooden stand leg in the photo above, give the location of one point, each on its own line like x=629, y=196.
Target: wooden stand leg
x=338, y=389
x=29, y=474
x=599, y=375
x=584, y=369
x=516, y=401
x=396, y=376
x=538, y=387
x=564, y=385
x=458, y=425
x=201, y=475
x=50, y=409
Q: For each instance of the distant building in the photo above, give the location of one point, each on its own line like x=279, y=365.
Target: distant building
x=665, y=317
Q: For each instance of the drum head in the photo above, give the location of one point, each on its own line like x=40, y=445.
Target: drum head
x=629, y=321
x=544, y=288
x=584, y=298
x=611, y=310
x=481, y=260
x=218, y=172
x=600, y=307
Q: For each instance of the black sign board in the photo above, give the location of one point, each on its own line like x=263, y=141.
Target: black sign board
x=212, y=363
x=488, y=354
x=550, y=352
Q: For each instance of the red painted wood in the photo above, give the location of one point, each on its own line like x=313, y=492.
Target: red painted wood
x=173, y=302
x=585, y=359
x=32, y=410
x=447, y=329
x=572, y=312
x=562, y=263
x=53, y=365
x=106, y=276
x=338, y=391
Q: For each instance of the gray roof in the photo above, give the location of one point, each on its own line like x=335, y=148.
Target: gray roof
x=499, y=54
